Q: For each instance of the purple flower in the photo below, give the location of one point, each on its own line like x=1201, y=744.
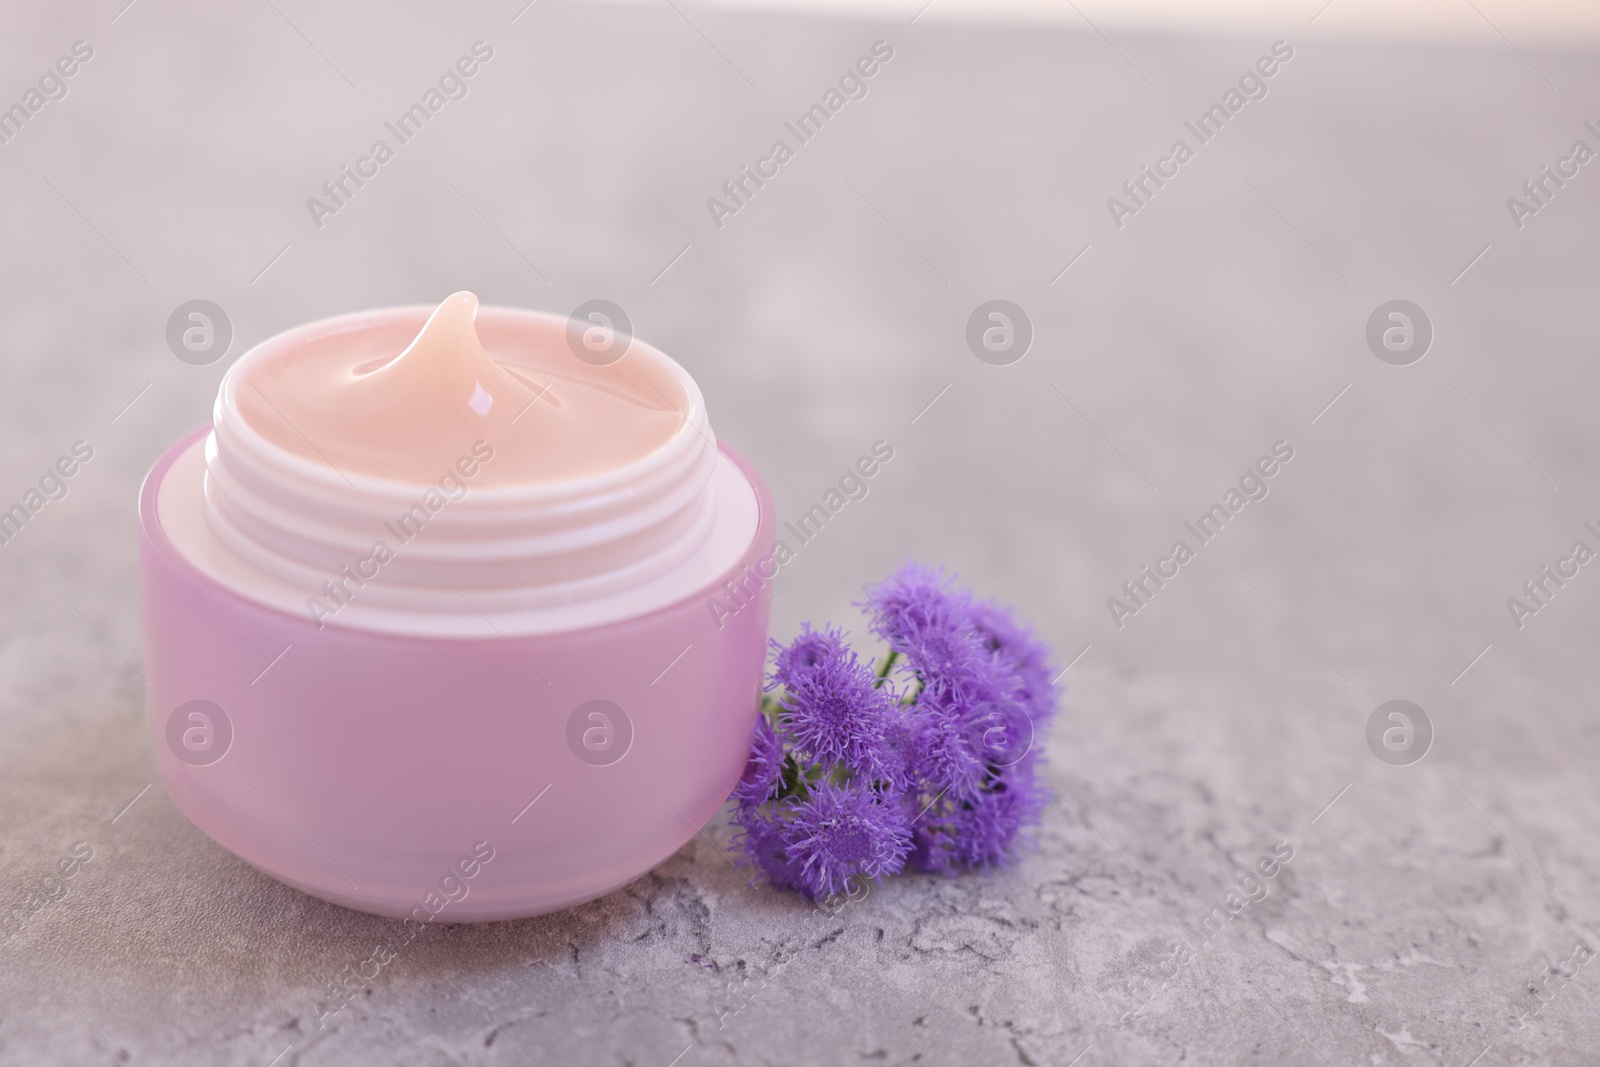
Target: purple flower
x=938, y=776
x=988, y=832
x=1006, y=730
x=843, y=831
x=947, y=754
x=763, y=774
x=918, y=613
x=915, y=609
x=805, y=655
x=764, y=840
x=981, y=831
x=913, y=602
x=1015, y=643
x=834, y=712
x=931, y=848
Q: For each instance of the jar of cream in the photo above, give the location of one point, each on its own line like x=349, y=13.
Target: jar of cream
x=454, y=613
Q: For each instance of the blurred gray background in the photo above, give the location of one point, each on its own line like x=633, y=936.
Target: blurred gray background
x=1230, y=313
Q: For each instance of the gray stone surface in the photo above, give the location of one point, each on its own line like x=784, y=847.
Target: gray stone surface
x=1221, y=720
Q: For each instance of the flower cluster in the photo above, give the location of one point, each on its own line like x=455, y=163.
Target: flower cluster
x=928, y=761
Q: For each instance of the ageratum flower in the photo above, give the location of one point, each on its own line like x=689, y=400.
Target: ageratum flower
x=763, y=774
x=764, y=840
x=933, y=766
x=972, y=698
x=1016, y=644
x=802, y=657
x=947, y=753
x=981, y=831
x=922, y=618
x=846, y=830
x=834, y=712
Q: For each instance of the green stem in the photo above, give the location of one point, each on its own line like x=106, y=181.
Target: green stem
x=888, y=664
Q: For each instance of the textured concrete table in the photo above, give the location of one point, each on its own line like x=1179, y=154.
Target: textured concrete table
x=1225, y=718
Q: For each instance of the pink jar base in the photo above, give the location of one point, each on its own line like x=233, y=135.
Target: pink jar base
x=378, y=771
